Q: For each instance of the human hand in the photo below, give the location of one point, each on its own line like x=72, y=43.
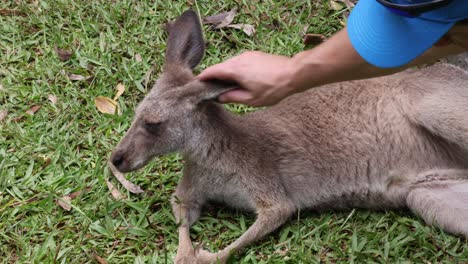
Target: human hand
x=263, y=79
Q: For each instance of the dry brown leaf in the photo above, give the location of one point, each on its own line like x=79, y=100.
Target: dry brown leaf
x=114, y=191
x=138, y=58
x=228, y=19
x=33, y=109
x=52, y=98
x=3, y=114
x=106, y=105
x=248, y=29
x=133, y=188
x=222, y=19
x=63, y=54
x=77, y=77
x=216, y=19
x=73, y=195
x=313, y=39
x=64, y=202
x=120, y=90
x=100, y=260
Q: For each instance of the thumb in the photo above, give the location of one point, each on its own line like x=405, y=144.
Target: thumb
x=236, y=96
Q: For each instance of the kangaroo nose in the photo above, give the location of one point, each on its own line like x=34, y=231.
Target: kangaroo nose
x=117, y=159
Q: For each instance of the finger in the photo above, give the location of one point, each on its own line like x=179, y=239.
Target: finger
x=236, y=96
x=221, y=71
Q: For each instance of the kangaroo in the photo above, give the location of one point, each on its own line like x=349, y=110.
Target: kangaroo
x=390, y=142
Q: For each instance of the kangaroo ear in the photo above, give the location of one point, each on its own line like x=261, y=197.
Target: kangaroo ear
x=185, y=45
x=214, y=88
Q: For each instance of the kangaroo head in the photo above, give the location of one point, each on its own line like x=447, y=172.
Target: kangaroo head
x=164, y=119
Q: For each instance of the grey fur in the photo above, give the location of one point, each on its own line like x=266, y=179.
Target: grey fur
x=389, y=142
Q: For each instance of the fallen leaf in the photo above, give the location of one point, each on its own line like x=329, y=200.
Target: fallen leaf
x=63, y=54
x=64, y=202
x=33, y=109
x=52, y=98
x=228, y=19
x=215, y=19
x=248, y=29
x=222, y=19
x=73, y=195
x=77, y=77
x=335, y=5
x=106, y=105
x=313, y=39
x=120, y=90
x=114, y=191
x=3, y=114
x=133, y=188
x=138, y=57
x=100, y=260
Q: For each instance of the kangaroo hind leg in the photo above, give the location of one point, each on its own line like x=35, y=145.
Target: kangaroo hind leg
x=441, y=199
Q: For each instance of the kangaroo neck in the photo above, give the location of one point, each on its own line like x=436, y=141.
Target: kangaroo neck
x=218, y=137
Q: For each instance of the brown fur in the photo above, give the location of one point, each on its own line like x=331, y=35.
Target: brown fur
x=388, y=142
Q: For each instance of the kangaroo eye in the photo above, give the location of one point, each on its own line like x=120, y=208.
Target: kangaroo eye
x=152, y=127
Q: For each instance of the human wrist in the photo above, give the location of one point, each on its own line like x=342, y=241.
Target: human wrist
x=288, y=81
x=304, y=72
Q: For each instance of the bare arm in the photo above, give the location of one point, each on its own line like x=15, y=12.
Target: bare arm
x=336, y=60
x=266, y=79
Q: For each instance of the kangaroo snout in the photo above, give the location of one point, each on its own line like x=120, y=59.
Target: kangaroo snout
x=119, y=160
x=124, y=160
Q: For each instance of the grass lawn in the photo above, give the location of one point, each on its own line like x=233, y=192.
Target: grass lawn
x=62, y=147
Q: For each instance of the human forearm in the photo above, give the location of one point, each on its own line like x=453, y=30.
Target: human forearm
x=265, y=79
x=336, y=60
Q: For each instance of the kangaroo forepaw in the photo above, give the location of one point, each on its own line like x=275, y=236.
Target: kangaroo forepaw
x=206, y=257
x=185, y=257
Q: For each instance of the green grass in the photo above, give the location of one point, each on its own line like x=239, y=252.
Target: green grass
x=63, y=148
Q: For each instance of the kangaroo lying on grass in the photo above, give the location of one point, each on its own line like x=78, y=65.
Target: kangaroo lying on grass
x=389, y=142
